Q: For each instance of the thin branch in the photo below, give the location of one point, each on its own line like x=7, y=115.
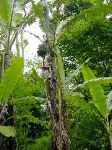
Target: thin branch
x=21, y=26
x=10, y=24
x=33, y=35
x=22, y=47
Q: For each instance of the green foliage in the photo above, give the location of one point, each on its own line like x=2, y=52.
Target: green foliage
x=38, y=9
x=5, y=10
x=31, y=85
x=18, y=18
x=26, y=109
x=76, y=99
x=96, y=91
x=83, y=37
x=42, y=143
x=76, y=7
x=87, y=129
x=60, y=67
x=88, y=35
x=94, y=43
x=11, y=77
x=87, y=18
x=86, y=125
x=42, y=50
x=32, y=121
x=7, y=131
x=31, y=115
x=95, y=2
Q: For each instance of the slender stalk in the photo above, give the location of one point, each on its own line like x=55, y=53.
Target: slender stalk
x=22, y=47
x=34, y=35
x=10, y=24
x=17, y=47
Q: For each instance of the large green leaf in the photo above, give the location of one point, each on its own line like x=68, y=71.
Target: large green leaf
x=5, y=10
x=60, y=67
x=38, y=9
x=96, y=91
x=11, y=77
x=76, y=99
x=18, y=18
x=7, y=131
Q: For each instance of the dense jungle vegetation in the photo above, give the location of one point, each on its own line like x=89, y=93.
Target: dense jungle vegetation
x=62, y=99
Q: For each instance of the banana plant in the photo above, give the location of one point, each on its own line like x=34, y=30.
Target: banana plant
x=100, y=101
x=7, y=86
x=12, y=22
x=55, y=79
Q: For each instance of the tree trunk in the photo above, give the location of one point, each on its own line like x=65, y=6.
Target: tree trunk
x=59, y=132
x=7, y=58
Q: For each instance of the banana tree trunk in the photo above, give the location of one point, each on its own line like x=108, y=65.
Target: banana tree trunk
x=60, y=139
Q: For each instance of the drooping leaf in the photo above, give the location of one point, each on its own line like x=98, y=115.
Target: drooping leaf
x=7, y=131
x=5, y=10
x=11, y=77
x=96, y=91
x=60, y=67
x=33, y=119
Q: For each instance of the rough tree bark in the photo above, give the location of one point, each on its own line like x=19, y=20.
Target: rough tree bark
x=57, y=110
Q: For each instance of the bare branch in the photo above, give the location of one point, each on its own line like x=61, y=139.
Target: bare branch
x=33, y=35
